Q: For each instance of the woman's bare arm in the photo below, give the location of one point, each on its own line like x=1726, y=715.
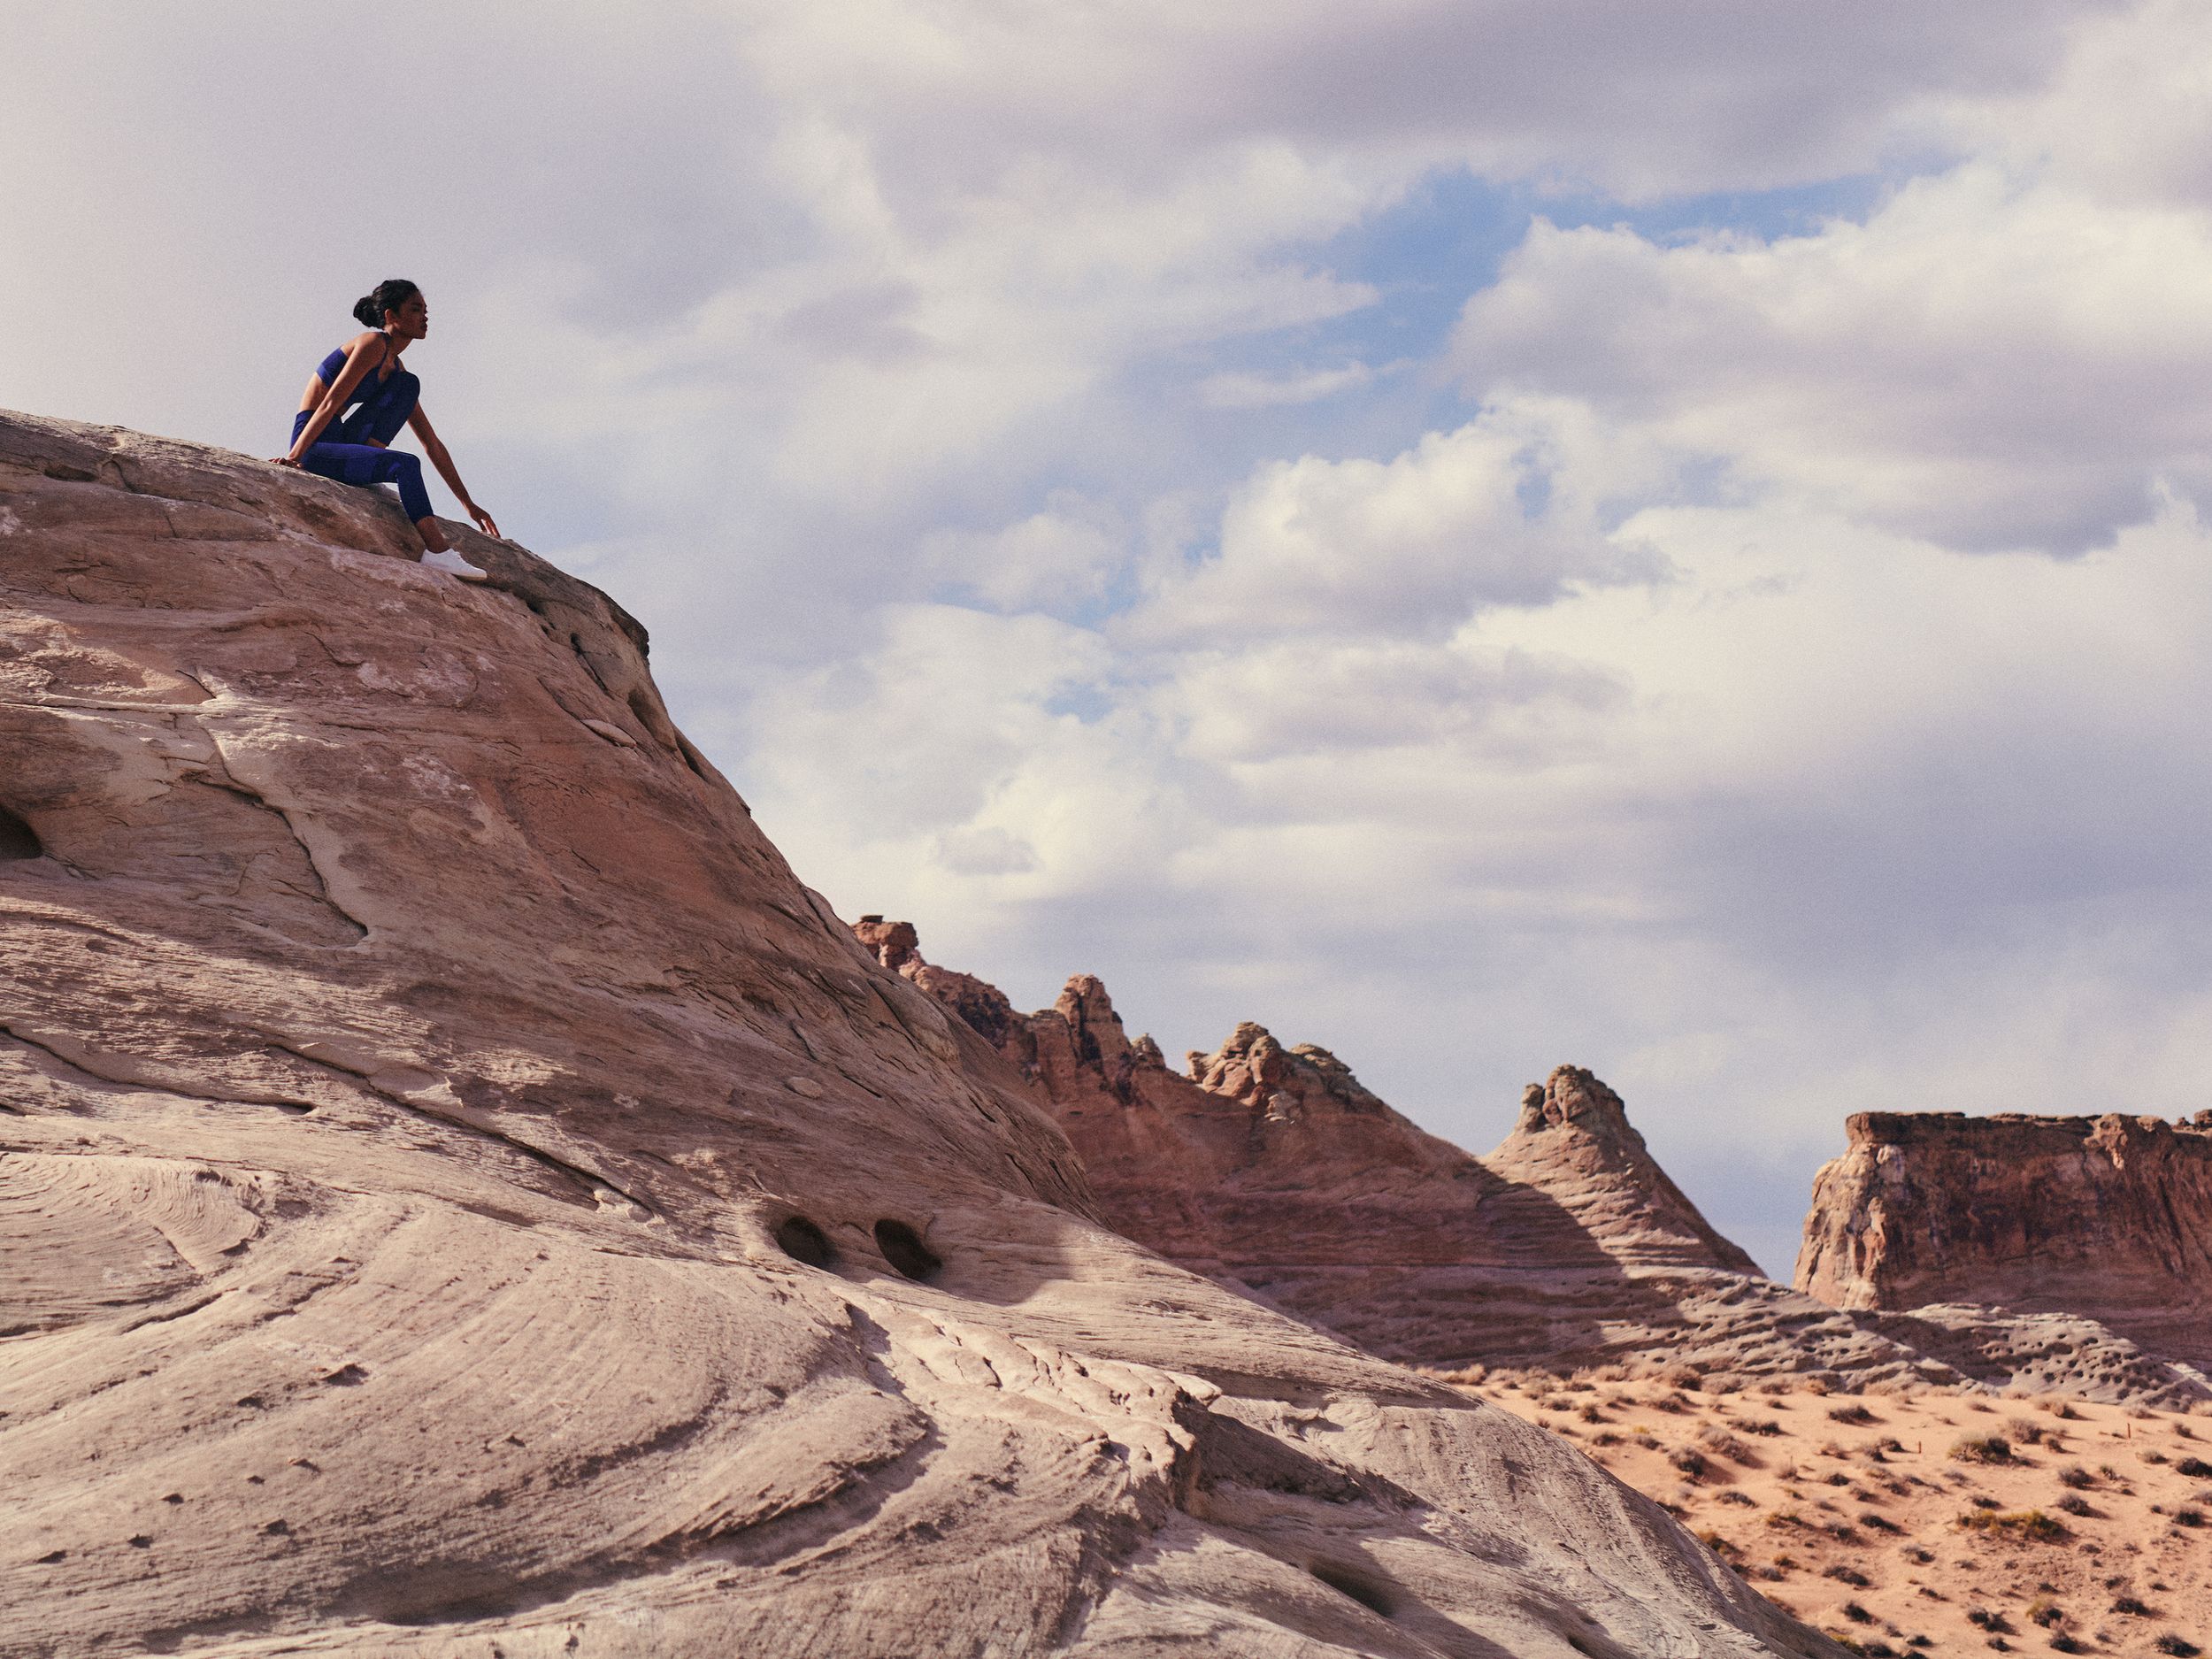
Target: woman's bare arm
x=442, y=458
x=364, y=354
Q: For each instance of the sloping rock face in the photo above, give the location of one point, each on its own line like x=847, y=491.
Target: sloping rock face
x=2107, y=1217
x=460, y=1193
x=1574, y=1144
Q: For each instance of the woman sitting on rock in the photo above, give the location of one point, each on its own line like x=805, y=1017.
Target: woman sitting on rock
x=364, y=377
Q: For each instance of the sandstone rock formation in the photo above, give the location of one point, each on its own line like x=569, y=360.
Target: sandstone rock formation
x=460, y=1193
x=2107, y=1217
x=1568, y=1247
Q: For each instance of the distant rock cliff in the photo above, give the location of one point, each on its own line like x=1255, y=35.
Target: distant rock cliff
x=461, y=1194
x=2107, y=1216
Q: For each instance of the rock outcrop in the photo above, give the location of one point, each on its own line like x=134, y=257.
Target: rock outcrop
x=2108, y=1218
x=1274, y=1169
x=460, y=1193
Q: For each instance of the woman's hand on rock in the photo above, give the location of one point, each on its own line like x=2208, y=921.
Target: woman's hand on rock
x=483, y=520
x=282, y=460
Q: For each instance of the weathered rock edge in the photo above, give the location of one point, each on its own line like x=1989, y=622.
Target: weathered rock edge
x=460, y=1193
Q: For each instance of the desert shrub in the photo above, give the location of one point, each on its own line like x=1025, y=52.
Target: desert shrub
x=1726, y=1445
x=1691, y=1462
x=2195, y=1467
x=1851, y=1411
x=1856, y=1614
x=2189, y=1516
x=1646, y=1439
x=1875, y=1523
x=2024, y=1526
x=2150, y=1455
x=1732, y=1495
x=2131, y=1606
x=2180, y=1646
x=1851, y=1575
x=1982, y=1619
x=2023, y=1430
x=2063, y=1643
x=2062, y=1409
x=1782, y=1518
x=2075, y=1477
x=1719, y=1545
x=1981, y=1405
x=2074, y=1503
x=2045, y=1612
x=1605, y=1437
x=1983, y=1448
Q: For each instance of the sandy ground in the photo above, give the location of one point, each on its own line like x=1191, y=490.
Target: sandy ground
x=1873, y=1517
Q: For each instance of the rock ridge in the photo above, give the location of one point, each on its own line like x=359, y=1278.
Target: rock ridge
x=1274, y=1169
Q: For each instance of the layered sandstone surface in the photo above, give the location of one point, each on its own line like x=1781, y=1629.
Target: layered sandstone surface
x=2108, y=1217
x=460, y=1193
x=1274, y=1169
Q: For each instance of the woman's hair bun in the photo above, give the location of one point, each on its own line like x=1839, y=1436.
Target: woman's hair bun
x=387, y=295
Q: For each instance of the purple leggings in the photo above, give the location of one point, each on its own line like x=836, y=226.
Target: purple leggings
x=364, y=464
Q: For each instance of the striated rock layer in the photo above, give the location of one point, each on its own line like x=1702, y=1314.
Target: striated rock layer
x=1274, y=1169
x=2107, y=1217
x=460, y=1193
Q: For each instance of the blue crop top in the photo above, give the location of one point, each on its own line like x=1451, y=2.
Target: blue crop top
x=379, y=408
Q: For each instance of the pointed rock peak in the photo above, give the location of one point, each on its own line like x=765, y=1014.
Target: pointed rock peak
x=1253, y=1068
x=893, y=944
x=1574, y=1143
x=1572, y=1094
x=1145, y=1051
x=1090, y=1015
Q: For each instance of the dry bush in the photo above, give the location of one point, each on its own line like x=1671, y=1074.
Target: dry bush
x=2075, y=1477
x=2021, y=1526
x=1853, y=1412
x=2074, y=1503
x=2023, y=1430
x=1718, y=1440
x=1983, y=1448
x=2195, y=1467
x=1691, y=1462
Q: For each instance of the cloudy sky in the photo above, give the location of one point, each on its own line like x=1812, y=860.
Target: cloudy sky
x=1660, y=534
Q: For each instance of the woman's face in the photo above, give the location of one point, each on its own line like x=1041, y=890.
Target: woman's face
x=411, y=321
